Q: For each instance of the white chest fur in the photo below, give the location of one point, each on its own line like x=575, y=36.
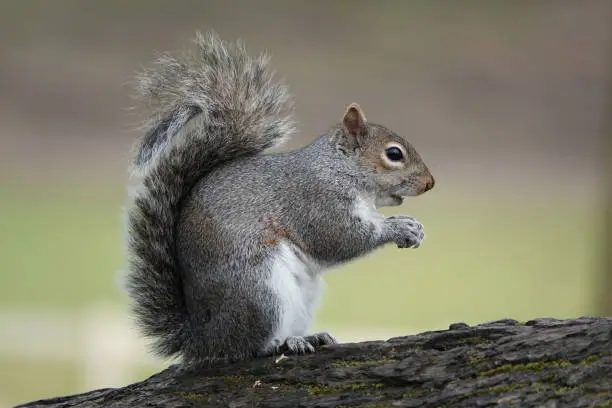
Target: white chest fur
x=365, y=209
x=298, y=285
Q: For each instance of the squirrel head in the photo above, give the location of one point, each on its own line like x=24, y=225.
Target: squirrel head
x=397, y=170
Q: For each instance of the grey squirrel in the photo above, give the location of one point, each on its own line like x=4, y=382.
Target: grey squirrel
x=227, y=245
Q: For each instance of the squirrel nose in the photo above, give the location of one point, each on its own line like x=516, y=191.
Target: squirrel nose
x=429, y=184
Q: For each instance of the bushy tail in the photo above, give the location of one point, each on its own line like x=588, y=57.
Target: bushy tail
x=207, y=107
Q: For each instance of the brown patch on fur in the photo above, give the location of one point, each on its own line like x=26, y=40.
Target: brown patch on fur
x=271, y=242
x=273, y=233
x=281, y=232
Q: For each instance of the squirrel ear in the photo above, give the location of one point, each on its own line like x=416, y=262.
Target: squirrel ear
x=354, y=120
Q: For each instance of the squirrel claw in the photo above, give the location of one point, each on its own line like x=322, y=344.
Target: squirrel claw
x=321, y=339
x=306, y=344
x=297, y=345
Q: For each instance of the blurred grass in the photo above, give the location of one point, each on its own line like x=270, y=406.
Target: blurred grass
x=22, y=380
x=485, y=258
x=62, y=246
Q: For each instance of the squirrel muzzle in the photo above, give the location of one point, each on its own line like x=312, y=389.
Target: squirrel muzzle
x=427, y=182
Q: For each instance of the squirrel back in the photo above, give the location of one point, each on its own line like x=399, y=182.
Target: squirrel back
x=208, y=107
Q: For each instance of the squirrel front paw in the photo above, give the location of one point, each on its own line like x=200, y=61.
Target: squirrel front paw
x=406, y=231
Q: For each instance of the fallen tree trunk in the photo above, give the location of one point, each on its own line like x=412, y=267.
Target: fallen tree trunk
x=543, y=363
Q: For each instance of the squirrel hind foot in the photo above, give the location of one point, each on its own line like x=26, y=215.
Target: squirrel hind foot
x=297, y=345
x=321, y=339
x=306, y=344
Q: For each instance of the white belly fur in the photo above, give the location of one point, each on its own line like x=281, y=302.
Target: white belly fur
x=298, y=286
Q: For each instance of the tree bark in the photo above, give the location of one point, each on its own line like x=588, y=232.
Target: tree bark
x=540, y=363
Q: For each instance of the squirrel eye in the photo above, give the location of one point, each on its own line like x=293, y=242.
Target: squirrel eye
x=394, y=153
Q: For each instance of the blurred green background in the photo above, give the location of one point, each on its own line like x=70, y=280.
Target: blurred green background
x=505, y=100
